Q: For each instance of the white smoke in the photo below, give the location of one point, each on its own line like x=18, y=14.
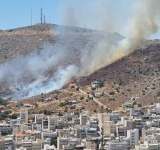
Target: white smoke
x=142, y=25
x=60, y=79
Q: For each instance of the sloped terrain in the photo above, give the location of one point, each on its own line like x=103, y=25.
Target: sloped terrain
x=134, y=76
x=46, y=45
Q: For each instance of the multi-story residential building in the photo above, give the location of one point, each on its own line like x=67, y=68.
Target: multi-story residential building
x=37, y=134
x=109, y=128
x=76, y=121
x=92, y=132
x=121, y=130
x=23, y=116
x=156, y=110
x=137, y=123
x=117, y=145
x=81, y=133
x=37, y=145
x=92, y=143
x=4, y=128
x=84, y=117
x=45, y=123
x=150, y=131
x=48, y=147
x=13, y=122
x=133, y=135
x=135, y=111
x=38, y=118
x=19, y=139
x=151, y=143
x=52, y=122
x=49, y=134
x=93, y=122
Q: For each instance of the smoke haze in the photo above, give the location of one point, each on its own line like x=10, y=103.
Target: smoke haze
x=141, y=26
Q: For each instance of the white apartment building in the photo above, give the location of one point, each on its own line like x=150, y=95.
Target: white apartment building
x=91, y=132
x=49, y=134
x=133, y=135
x=117, y=145
x=52, y=122
x=37, y=145
x=13, y=122
x=8, y=143
x=151, y=143
x=135, y=111
x=23, y=116
x=48, y=147
x=4, y=128
x=38, y=118
x=156, y=110
x=84, y=116
x=92, y=143
x=127, y=122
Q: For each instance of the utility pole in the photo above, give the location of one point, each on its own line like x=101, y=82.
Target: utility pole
x=41, y=16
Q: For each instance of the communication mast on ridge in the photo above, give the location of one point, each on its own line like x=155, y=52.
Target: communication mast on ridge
x=41, y=16
x=31, y=17
x=44, y=19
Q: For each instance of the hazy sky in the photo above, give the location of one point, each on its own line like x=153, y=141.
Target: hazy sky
x=17, y=13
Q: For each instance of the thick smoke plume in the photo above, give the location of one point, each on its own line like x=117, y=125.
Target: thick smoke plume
x=141, y=26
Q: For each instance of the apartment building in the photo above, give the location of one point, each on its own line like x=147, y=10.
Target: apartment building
x=23, y=116
x=133, y=135
x=84, y=117
x=4, y=128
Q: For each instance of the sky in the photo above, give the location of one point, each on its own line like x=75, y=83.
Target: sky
x=17, y=13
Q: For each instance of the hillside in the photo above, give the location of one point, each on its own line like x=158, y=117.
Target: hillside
x=40, y=50
x=135, y=76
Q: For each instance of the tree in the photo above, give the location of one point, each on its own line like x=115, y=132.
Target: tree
x=158, y=94
x=47, y=112
x=13, y=116
x=102, y=139
x=112, y=93
x=36, y=105
x=54, y=142
x=3, y=102
x=62, y=104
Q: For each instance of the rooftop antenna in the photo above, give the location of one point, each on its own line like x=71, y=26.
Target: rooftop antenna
x=41, y=15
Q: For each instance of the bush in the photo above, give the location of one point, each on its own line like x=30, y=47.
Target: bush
x=81, y=98
x=47, y=112
x=158, y=94
x=83, y=107
x=3, y=102
x=62, y=104
x=95, y=110
x=13, y=116
x=111, y=99
x=129, y=90
x=54, y=142
x=112, y=93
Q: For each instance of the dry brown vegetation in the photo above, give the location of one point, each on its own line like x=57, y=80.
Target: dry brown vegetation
x=136, y=75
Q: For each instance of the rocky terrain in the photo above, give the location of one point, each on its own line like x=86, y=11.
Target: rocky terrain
x=136, y=76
